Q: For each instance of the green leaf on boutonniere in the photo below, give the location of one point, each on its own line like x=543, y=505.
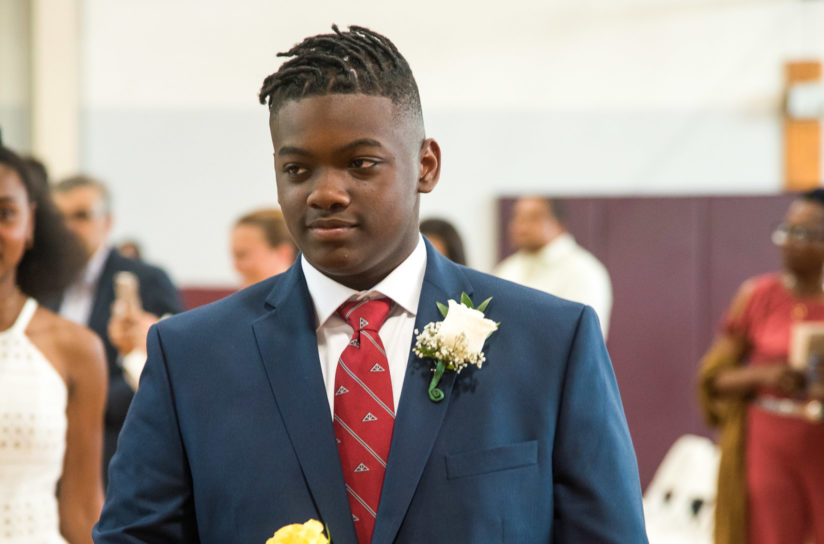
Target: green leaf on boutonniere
x=443, y=308
x=482, y=306
x=466, y=301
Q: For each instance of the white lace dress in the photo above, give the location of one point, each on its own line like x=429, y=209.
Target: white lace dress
x=32, y=438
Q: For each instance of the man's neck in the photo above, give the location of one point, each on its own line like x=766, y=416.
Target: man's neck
x=403, y=285
x=549, y=241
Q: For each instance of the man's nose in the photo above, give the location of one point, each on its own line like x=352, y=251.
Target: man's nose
x=329, y=191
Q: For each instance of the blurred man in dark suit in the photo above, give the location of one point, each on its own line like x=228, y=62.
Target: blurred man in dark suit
x=86, y=204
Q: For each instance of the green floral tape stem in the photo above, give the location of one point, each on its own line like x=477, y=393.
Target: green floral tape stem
x=435, y=394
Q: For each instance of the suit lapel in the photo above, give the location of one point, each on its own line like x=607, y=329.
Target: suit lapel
x=289, y=349
x=103, y=296
x=418, y=419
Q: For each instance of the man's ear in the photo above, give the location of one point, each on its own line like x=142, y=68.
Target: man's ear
x=429, y=160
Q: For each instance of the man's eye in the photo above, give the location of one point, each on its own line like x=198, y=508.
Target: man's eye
x=7, y=213
x=363, y=163
x=293, y=170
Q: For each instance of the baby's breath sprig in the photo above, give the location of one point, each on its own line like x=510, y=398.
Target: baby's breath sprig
x=450, y=347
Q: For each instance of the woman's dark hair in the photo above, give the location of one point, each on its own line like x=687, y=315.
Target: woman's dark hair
x=445, y=231
x=55, y=256
x=814, y=195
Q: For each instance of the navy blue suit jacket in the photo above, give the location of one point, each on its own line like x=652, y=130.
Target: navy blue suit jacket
x=230, y=434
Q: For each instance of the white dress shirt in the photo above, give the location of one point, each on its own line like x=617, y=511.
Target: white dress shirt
x=402, y=286
x=79, y=296
x=564, y=269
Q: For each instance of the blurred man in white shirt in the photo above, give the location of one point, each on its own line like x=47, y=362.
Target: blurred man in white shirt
x=85, y=203
x=549, y=259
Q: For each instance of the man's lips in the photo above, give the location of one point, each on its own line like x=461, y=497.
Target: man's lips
x=330, y=228
x=330, y=223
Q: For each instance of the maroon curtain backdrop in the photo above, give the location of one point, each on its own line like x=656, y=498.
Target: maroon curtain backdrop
x=675, y=264
x=198, y=296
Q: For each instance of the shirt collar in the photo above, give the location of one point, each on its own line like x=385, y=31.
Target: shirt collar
x=402, y=285
x=95, y=265
x=563, y=244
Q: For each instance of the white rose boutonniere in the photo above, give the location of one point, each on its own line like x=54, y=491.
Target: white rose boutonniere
x=455, y=342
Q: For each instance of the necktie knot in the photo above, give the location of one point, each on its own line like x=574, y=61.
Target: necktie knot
x=365, y=314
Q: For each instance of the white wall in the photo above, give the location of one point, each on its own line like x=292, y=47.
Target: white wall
x=15, y=57
x=564, y=96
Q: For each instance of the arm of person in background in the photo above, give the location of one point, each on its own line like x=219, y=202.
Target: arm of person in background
x=128, y=330
x=80, y=493
x=724, y=377
x=129, y=323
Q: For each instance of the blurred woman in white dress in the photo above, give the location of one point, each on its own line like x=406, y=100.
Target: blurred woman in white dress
x=52, y=375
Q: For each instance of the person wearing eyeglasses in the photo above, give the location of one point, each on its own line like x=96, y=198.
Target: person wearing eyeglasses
x=86, y=206
x=769, y=413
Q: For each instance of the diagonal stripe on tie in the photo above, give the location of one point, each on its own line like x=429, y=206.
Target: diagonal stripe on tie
x=374, y=343
x=361, y=501
x=354, y=307
x=365, y=387
x=349, y=430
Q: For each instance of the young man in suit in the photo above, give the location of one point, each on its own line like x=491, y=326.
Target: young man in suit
x=86, y=205
x=289, y=400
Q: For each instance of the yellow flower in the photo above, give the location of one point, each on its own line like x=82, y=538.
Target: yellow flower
x=310, y=532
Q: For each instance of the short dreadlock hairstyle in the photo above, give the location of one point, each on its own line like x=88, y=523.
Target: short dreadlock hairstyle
x=359, y=61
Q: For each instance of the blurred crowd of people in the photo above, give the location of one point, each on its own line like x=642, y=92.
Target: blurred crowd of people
x=76, y=311
x=83, y=307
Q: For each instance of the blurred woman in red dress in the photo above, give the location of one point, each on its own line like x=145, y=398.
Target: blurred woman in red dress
x=771, y=479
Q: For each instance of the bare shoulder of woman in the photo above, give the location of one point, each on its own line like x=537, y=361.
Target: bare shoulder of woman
x=74, y=350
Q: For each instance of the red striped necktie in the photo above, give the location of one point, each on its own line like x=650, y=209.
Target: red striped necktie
x=364, y=411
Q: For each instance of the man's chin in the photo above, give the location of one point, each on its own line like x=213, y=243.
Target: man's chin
x=336, y=262
x=346, y=268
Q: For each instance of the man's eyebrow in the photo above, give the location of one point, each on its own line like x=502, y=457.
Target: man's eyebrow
x=290, y=150
x=362, y=142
